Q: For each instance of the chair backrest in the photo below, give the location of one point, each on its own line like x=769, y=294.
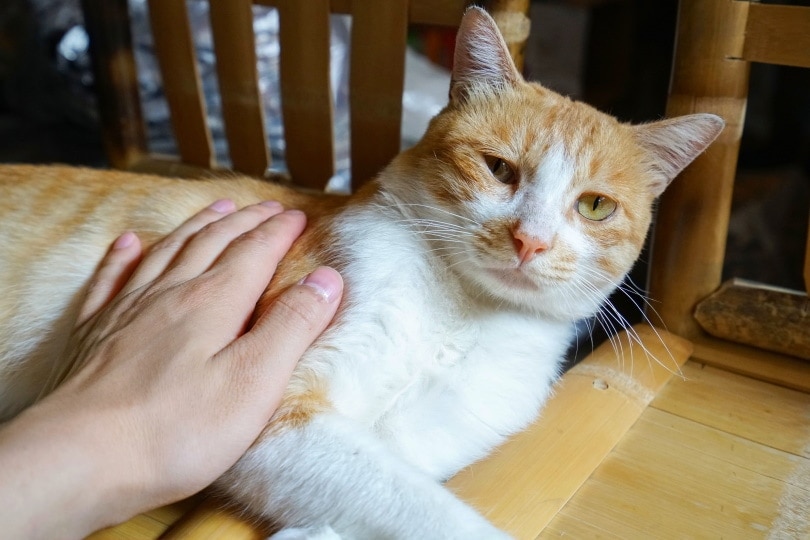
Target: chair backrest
x=715, y=43
x=376, y=79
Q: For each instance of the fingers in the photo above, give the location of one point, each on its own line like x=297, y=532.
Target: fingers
x=207, y=245
x=162, y=253
x=113, y=272
x=280, y=336
x=260, y=250
x=196, y=244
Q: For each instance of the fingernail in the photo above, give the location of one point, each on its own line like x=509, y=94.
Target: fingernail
x=271, y=204
x=222, y=206
x=125, y=240
x=324, y=281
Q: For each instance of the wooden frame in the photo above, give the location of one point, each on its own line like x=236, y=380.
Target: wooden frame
x=715, y=43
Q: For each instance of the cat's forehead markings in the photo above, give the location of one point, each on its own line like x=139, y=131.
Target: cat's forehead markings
x=555, y=166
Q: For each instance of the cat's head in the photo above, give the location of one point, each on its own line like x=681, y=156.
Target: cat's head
x=535, y=199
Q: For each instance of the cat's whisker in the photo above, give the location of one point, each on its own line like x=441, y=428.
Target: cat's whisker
x=633, y=337
x=437, y=208
x=422, y=222
x=610, y=319
x=634, y=293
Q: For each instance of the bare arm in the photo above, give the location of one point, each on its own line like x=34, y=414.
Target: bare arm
x=170, y=387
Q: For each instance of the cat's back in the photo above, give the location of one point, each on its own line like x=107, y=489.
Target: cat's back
x=57, y=222
x=33, y=196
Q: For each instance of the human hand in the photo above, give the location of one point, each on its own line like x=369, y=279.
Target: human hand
x=169, y=385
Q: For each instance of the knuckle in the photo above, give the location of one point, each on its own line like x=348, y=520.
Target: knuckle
x=299, y=309
x=260, y=238
x=167, y=244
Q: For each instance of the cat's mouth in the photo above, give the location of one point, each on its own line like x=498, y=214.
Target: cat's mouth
x=512, y=277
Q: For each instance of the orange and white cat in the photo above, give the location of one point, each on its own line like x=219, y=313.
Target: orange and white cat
x=467, y=262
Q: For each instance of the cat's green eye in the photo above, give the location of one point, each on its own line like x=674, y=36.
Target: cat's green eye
x=595, y=207
x=501, y=170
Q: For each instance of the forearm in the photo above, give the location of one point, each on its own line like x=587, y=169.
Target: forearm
x=57, y=478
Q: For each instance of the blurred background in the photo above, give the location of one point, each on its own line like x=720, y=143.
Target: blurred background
x=613, y=54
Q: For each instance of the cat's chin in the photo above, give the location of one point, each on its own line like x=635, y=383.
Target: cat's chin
x=527, y=292
x=514, y=278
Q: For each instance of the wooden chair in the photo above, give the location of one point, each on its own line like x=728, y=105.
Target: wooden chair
x=716, y=41
x=562, y=461
x=377, y=63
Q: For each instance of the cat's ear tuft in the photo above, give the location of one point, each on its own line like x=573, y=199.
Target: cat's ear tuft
x=481, y=59
x=675, y=142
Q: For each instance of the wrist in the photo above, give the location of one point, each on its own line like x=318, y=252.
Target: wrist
x=61, y=476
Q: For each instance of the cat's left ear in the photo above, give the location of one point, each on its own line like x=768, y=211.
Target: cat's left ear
x=481, y=59
x=675, y=142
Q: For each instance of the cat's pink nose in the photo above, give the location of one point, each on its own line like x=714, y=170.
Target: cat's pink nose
x=528, y=246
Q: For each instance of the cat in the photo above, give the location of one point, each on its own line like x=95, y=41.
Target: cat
x=467, y=263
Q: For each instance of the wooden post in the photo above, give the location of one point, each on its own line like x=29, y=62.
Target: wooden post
x=692, y=223
x=807, y=261
x=512, y=19
x=116, y=80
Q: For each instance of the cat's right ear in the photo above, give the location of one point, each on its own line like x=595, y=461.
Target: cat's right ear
x=481, y=61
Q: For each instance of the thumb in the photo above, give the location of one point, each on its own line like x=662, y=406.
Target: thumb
x=268, y=353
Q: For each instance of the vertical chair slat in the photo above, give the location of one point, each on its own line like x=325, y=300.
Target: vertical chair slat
x=174, y=48
x=377, y=76
x=242, y=111
x=306, y=96
x=116, y=80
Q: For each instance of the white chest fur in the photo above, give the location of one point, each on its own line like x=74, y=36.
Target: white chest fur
x=414, y=359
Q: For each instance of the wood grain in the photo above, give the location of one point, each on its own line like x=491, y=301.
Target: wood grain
x=524, y=483
x=758, y=315
x=306, y=96
x=691, y=229
x=715, y=455
x=242, y=110
x=376, y=81
x=778, y=34
x=150, y=525
x=779, y=369
x=672, y=477
x=436, y=12
x=512, y=19
x=211, y=521
x=807, y=261
x=116, y=80
x=174, y=49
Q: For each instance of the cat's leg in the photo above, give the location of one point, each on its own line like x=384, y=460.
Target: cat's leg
x=331, y=473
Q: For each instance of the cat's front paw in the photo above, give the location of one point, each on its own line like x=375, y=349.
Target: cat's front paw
x=302, y=533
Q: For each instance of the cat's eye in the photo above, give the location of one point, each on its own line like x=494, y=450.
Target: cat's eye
x=595, y=207
x=501, y=170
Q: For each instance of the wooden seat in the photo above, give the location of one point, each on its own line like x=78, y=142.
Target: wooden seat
x=377, y=65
